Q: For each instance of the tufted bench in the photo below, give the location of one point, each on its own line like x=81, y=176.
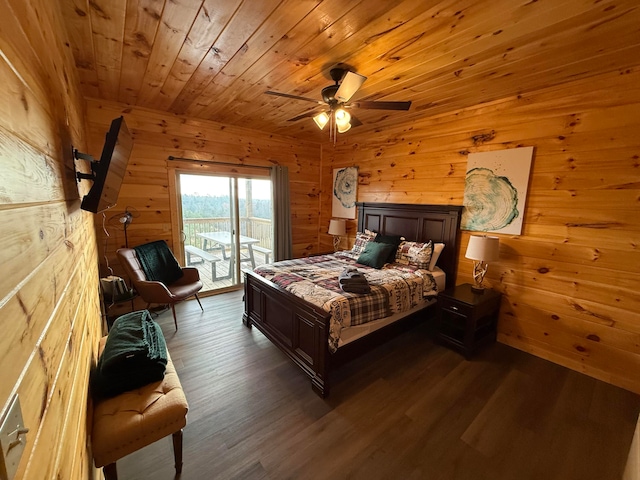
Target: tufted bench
x=135, y=419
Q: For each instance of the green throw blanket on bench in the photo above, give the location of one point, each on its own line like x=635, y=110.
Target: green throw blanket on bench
x=135, y=354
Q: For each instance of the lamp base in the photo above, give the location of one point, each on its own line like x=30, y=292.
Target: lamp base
x=336, y=243
x=477, y=289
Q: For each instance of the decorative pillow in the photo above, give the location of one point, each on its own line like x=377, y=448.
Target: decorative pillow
x=415, y=253
x=393, y=240
x=375, y=254
x=362, y=238
x=437, y=250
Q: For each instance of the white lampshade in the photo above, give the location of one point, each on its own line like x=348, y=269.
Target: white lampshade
x=337, y=227
x=483, y=248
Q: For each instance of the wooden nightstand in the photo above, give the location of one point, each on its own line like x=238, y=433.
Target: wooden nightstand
x=468, y=320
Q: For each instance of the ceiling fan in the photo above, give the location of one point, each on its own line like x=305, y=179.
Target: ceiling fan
x=336, y=98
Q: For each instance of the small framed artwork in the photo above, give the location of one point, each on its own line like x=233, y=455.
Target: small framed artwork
x=345, y=185
x=495, y=190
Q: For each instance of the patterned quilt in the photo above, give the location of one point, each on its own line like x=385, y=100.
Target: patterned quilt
x=395, y=289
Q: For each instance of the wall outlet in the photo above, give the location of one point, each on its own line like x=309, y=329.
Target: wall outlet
x=12, y=439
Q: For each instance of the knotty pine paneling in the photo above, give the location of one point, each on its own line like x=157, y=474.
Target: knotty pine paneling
x=570, y=281
x=147, y=186
x=632, y=469
x=49, y=300
x=214, y=60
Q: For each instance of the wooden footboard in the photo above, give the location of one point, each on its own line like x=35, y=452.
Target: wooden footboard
x=301, y=330
x=297, y=327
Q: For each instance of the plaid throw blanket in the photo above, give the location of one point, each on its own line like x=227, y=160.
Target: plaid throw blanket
x=395, y=289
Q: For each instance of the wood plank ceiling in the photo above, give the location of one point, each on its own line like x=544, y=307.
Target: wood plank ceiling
x=214, y=59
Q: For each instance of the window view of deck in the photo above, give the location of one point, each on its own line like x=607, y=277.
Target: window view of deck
x=215, y=258
x=210, y=207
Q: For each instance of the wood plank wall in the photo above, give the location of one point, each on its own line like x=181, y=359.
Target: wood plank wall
x=49, y=304
x=570, y=281
x=147, y=187
x=632, y=469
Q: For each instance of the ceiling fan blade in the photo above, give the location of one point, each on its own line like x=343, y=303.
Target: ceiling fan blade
x=295, y=97
x=312, y=113
x=350, y=84
x=355, y=122
x=383, y=105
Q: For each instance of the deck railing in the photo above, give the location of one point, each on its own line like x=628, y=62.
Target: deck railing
x=259, y=228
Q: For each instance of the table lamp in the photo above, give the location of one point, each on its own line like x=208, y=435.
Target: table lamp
x=482, y=249
x=337, y=228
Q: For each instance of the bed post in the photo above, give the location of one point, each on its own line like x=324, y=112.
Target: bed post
x=246, y=318
x=320, y=379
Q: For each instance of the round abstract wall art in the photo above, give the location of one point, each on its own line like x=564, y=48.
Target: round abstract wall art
x=491, y=201
x=345, y=185
x=495, y=190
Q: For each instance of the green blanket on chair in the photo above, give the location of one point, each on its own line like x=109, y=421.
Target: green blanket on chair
x=158, y=263
x=135, y=354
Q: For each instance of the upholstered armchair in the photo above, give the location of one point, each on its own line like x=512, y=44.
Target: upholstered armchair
x=156, y=291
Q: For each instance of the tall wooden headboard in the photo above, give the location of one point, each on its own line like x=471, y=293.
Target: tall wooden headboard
x=420, y=223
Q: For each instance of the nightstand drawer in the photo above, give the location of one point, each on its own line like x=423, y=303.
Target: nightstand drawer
x=455, y=306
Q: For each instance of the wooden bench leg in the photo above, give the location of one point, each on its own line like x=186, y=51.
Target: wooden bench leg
x=177, y=450
x=110, y=471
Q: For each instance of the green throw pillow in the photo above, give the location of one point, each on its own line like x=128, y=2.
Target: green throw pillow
x=375, y=254
x=394, y=240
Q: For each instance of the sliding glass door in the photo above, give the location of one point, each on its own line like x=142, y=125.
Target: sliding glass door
x=226, y=226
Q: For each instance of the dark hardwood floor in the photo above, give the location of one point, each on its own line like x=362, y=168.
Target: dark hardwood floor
x=410, y=409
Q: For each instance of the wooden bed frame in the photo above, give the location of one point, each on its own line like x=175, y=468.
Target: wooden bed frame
x=301, y=329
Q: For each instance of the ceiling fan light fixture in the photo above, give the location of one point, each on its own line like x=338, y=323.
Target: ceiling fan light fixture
x=321, y=120
x=344, y=128
x=342, y=118
x=336, y=98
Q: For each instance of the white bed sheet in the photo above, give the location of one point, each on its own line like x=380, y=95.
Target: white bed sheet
x=350, y=334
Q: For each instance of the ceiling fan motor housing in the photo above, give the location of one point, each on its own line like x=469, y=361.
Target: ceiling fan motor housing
x=328, y=94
